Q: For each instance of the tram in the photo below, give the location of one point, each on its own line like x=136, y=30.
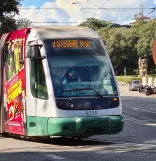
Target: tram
x=57, y=81
x=154, y=52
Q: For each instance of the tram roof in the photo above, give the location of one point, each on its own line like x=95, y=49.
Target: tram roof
x=52, y=32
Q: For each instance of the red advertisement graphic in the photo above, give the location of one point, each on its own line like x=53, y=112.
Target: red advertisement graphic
x=15, y=85
x=154, y=52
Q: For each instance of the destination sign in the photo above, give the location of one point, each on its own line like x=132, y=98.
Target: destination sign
x=71, y=43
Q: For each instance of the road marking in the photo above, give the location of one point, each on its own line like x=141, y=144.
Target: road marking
x=135, y=120
x=121, y=147
x=135, y=108
x=53, y=156
x=151, y=125
x=118, y=143
x=139, y=122
x=150, y=142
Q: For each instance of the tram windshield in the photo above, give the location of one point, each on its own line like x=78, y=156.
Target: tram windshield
x=79, y=64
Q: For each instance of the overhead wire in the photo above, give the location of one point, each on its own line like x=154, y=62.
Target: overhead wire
x=91, y=8
x=105, y=8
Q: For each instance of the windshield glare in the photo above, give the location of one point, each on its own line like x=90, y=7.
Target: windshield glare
x=80, y=67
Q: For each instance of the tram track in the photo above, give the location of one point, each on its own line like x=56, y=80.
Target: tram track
x=137, y=121
x=140, y=116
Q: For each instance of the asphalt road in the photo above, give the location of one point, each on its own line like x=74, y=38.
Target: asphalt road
x=137, y=142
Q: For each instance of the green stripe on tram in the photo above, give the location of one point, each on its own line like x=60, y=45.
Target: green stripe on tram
x=78, y=126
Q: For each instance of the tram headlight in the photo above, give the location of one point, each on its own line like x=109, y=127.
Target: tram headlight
x=64, y=104
x=113, y=102
x=109, y=102
x=67, y=104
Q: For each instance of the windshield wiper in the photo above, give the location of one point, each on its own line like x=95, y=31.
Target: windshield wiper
x=84, y=89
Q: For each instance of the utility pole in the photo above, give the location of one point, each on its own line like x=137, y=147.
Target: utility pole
x=141, y=14
x=142, y=9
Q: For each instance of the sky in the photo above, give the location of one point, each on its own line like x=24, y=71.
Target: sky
x=73, y=12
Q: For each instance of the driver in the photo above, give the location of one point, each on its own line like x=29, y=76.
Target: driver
x=70, y=77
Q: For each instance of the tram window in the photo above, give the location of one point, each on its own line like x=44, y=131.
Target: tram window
x=37, y=78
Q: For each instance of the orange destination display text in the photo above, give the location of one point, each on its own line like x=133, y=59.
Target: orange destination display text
x=71, y=44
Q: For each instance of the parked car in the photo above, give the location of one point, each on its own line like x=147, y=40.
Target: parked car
x=134, y=85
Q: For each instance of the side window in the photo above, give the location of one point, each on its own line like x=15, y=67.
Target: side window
x=37, y=76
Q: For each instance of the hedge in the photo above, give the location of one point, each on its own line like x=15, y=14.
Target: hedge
x=127, y=79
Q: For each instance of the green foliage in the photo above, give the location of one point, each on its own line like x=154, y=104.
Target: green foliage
x=146, y=34
x=23, y=23
x=7, y=24
x=126, y=44
x=8, y=9
x=8, y=6
x=116, y=45
x=127, y=79
x=95, y=24
x=120, y=46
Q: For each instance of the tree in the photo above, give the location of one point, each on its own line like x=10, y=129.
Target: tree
x=147, y=35
x=8, y=8
x=94, y=23
x=23, y=23
x=126, y=45
x=119, y=47
x=7, y=24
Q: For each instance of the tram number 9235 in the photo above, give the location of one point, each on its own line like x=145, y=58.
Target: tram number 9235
x=91, y=113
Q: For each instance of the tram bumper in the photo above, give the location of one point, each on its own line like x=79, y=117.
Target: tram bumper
x=85, y=126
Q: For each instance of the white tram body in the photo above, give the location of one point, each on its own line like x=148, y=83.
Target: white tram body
x=70, y=85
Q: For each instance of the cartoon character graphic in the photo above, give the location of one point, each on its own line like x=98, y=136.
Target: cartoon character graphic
x=16, y=55
x=16, y=106
x=11, y=113
x=14, y=110
x=23, y=106
x=10, y=61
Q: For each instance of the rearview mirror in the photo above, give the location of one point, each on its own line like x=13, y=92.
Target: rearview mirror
x=38, y=57
x=34, y=53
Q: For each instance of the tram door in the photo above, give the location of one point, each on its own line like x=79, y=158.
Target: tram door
x=37, y=94
x=38, y=83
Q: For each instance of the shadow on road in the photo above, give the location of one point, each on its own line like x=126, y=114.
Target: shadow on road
x=63, y=141
x=117, y=153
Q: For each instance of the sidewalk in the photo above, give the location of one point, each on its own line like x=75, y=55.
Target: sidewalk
x=124, y=86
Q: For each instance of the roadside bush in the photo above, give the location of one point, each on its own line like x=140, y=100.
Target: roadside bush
x=127, y=79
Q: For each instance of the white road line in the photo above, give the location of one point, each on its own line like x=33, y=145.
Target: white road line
x=151, y=125
x=146, y=111
x=134, y=120
x=135, y=108
x=53, y=156
x=148, y=143
x=139, y=122
x=144, y=118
